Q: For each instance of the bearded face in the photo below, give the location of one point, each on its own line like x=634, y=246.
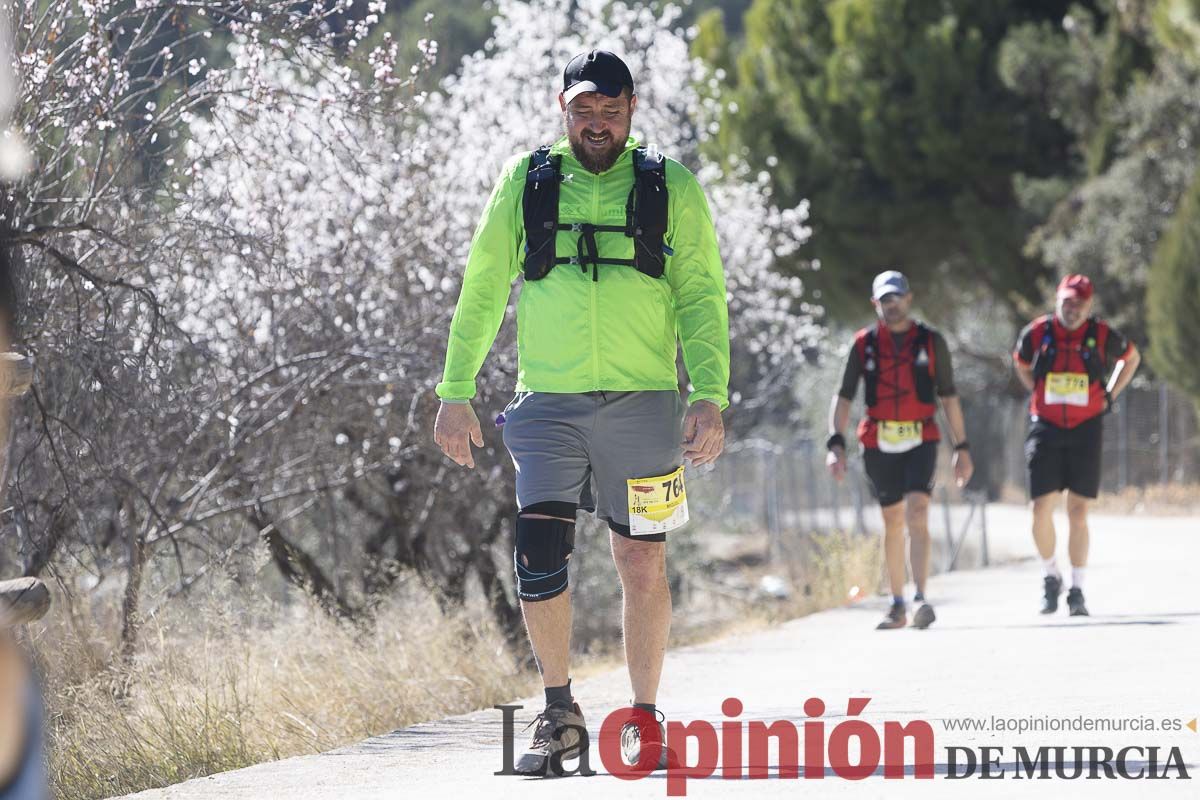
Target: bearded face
x=1073, y=312
x=598, y=127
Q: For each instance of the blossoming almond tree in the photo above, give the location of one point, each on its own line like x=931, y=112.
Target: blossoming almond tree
x=276, y=338
x=118, y=446
x=370, y=223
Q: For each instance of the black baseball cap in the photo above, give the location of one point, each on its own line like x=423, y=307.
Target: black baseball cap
x=596, y=71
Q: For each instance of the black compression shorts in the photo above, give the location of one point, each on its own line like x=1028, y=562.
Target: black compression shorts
x=1064, y=458
x=894, y=475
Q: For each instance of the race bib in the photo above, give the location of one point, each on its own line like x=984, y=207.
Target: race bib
x=899, y=437
x=657, y=505
x=1067, y=388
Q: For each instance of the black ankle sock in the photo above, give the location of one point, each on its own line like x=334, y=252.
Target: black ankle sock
x=919, y=597
x=560, y=695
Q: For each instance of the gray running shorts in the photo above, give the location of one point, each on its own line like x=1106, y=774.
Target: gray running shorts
x=561, y=443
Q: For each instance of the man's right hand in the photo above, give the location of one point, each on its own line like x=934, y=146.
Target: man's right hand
x=455, y=428
x=836, y=461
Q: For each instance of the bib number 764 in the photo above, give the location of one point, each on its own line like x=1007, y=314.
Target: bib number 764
x=658, y=504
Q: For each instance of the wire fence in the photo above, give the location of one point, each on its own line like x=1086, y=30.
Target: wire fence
x=1150, y=438
x=777, y=482
x=781, y=487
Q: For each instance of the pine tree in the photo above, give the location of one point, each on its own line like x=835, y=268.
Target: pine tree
x=1173, y=297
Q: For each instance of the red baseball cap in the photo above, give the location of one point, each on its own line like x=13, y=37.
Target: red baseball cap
x=1075, y=286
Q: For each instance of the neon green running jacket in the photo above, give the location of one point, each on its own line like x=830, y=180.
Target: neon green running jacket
x=616, y=333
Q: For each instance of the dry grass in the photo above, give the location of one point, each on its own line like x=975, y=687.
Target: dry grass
x=229, y=680
x=818, y=570
x=835, y=569
x=1176, y=499
x=209, y=695
x=1173, y=500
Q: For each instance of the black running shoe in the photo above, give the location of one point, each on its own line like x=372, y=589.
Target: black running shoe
x=1053, y=588
x=924, y=617
x=1075, y=602
x=561, y=733
x=897, y=617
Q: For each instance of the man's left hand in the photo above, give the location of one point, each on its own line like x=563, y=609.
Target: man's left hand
x=964, y=467
x=703, y=433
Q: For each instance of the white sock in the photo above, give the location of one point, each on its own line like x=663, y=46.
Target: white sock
x=1077, y=577
x=1050, y=566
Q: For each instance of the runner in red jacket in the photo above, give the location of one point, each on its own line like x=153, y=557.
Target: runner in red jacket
x=1075, y=365
x=906, y=368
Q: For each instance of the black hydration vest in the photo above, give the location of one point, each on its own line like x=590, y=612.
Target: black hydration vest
x=645, y=218
x=922, y=380
x=1090, y=352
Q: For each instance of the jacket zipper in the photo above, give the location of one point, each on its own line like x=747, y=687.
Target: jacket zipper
x=897, y=364
x=593, y=288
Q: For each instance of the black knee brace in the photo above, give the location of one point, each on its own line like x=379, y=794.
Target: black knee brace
x=540, y=558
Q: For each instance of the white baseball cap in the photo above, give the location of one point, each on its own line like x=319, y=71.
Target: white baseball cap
x=890, y=282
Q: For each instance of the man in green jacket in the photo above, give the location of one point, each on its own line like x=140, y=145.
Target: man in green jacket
x=620, y=260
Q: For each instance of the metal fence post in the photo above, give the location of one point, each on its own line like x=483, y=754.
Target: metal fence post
x=1123, y=445
x=949, y=529
x=814, y=523
x=859, y=507
x=766, y=478
x=983, y=529
x=1164, y=435
x=836, y=497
